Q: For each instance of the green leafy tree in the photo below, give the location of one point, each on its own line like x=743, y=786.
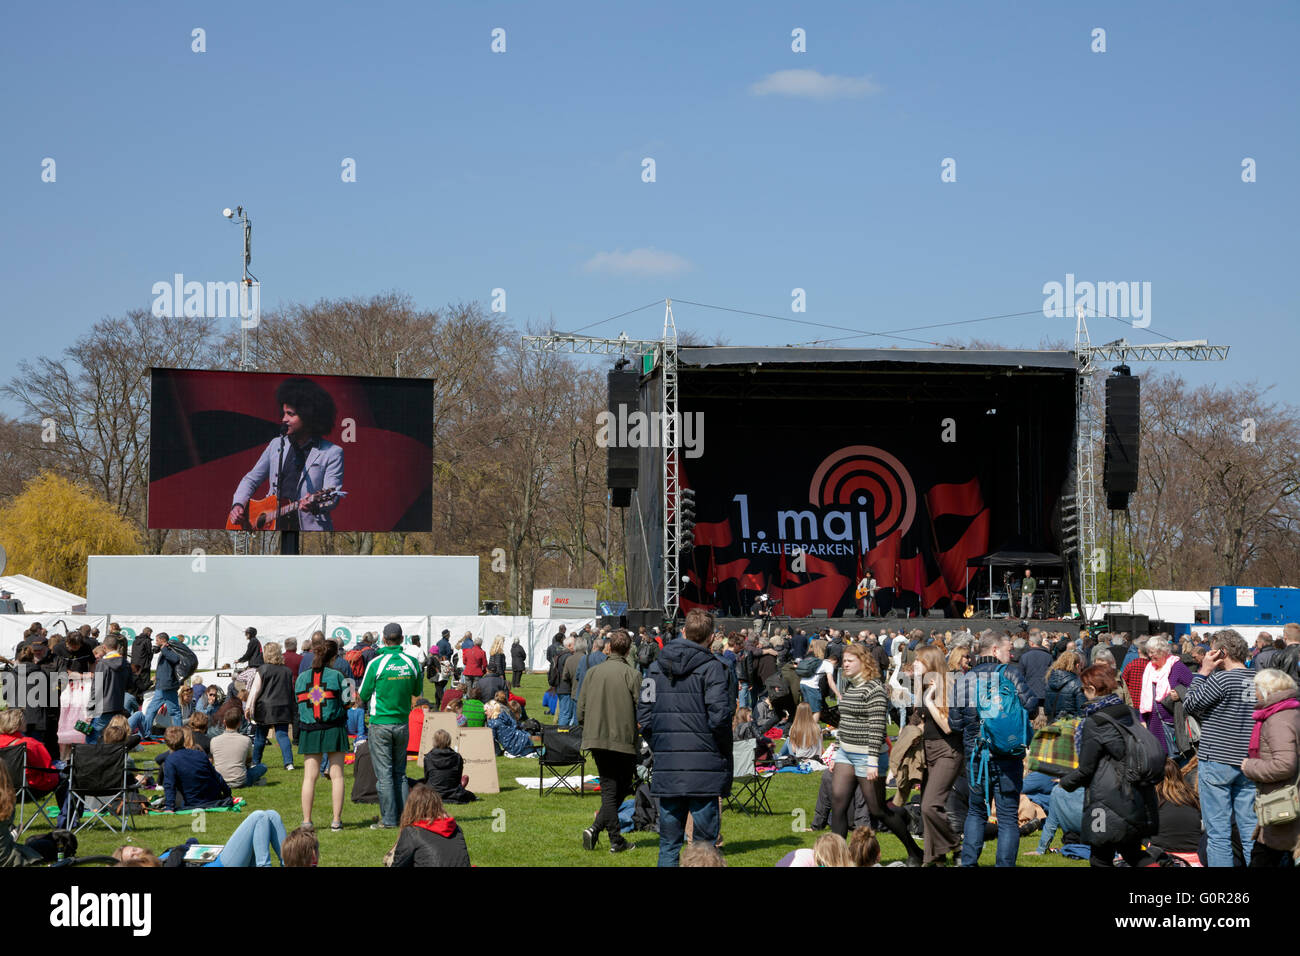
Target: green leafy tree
x=54, y=525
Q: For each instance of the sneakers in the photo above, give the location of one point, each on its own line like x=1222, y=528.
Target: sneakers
x=336, y=826
x=621, y=846
x=590, y=837
x=381, y=825
x=288, y=767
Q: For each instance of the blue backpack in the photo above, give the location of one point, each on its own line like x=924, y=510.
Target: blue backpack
x=1004, y=725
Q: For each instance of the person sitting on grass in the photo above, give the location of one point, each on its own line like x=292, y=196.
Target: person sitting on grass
x=199, y=726
x=258, y=835
x=191, y=743
x=744, y=728
x=232, y=755
x=700, y=854
x=235, y=702
x=805, y=740
x=456, y=693
x=209, y=702
x=444, y=771
x=473, y=709
x=189, y=777
x=41, y=777
x=831, y=849
x=513, y=741
x=38, y=849
x=300, y=848
x=428, y=836
x=357, y=721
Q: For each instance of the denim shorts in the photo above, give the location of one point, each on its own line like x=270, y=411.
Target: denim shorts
x=859, y=762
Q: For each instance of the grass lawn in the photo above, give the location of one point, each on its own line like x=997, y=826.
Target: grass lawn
x=513, y=828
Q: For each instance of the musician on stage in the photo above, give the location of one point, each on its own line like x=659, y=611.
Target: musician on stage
x=867, y=593
x=1027, y=588
x=310, y=463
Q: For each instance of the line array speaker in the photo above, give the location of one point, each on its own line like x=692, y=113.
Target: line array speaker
x=621, y=466
x=1123, y=439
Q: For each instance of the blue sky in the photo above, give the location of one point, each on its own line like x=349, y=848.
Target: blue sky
x=523, y=170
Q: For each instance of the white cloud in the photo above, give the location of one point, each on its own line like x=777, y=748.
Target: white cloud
x=814, y=85
x=637, y=262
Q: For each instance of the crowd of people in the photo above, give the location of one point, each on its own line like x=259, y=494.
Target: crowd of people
x=1141, y=752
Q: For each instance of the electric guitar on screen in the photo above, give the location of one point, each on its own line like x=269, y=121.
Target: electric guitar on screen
x=263, y=513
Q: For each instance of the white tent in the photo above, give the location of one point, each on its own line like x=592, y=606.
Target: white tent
x=41, y=598
x=1176, y=607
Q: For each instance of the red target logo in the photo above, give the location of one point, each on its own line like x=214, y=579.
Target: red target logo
x=860, y=475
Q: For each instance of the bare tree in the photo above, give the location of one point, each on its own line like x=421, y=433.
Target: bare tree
x=96, y=398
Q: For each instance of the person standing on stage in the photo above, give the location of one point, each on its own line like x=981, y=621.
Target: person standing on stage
x=1027, y=588
x=868, y=584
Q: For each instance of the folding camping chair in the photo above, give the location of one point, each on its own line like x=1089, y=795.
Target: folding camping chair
x=562, y=752
x=14, y=759
x=749, y=787
x=100, y=771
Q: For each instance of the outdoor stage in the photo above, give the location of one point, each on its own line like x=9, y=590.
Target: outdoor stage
x=940, y=473
x=876, y=624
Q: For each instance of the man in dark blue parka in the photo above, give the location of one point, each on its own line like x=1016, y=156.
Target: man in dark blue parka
x=685, y=711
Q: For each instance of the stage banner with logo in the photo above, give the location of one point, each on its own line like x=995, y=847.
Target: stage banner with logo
x=900, y=481
x=13, y=625
x=199, y=633
x=231, y=640
x=348, y=630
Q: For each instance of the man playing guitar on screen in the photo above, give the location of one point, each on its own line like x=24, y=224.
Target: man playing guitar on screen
x=300, y=460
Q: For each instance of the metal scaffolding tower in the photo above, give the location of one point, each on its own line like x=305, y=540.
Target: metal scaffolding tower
x=1080, y=516
x=664, y=351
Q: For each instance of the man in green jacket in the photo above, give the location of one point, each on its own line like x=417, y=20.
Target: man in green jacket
x=607, y=714
x=391, y=683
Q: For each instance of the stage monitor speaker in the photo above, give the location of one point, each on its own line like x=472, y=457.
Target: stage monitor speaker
x=1133, y=625
x=1123, y=439
x=621, y=462
x=934, y=612
x=818, y=613
x=647, y=617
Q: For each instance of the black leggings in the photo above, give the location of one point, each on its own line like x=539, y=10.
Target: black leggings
x=843, y=782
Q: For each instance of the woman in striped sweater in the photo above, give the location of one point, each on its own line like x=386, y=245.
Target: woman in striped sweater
x=862, y=757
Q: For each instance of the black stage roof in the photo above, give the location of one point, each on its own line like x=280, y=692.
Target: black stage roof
x=721, y=356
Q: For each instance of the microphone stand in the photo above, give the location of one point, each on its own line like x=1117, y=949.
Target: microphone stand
x=288, y=539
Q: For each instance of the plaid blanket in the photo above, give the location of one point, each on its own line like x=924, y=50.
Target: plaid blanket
x=1052, y=749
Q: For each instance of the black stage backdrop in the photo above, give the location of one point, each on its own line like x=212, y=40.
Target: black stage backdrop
x=907, y=468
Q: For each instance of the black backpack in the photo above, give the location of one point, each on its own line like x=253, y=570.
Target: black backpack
x=808, y=666
x=432, y=666
x=557, y=668
x=188, y=663
x=1144, y=761
x=645, y=654
x=776, y=688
